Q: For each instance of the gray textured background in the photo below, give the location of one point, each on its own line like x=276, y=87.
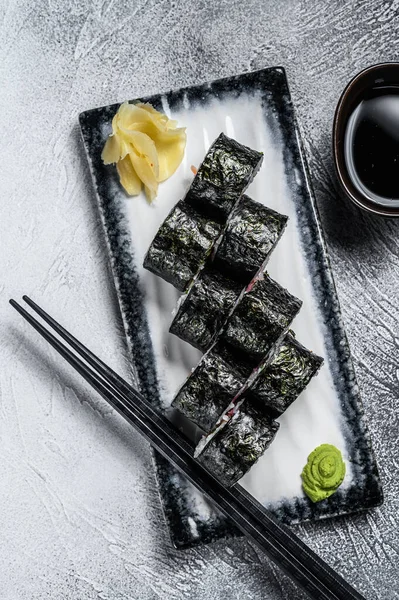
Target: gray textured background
x=79, y=513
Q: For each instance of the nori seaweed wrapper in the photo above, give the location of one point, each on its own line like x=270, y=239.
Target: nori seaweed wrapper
x=238, y=445
x=181, y=245
x=225, y=173
x=280, y=382
x=205, y=308
x=261, y=318
x=208, y=391
x=248, y=240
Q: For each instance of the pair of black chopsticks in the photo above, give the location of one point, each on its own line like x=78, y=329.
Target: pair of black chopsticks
x=277, y=541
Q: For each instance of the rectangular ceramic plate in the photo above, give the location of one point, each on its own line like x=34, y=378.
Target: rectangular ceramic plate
x=256, y=109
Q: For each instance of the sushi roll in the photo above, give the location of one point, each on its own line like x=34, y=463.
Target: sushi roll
x=207, y=392
x=261, y=318
x=205, y=307
x=279, y=383
x=208, y=302
x=248, y=240
x=239, y=444
x=181, y=245
x=225, y=173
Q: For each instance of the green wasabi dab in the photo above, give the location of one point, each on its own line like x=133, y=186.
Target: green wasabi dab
x=323, y=473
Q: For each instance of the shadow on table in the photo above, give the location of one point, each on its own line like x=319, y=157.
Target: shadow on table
x=344, y=224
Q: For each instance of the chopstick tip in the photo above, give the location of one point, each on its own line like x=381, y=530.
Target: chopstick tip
x=15, y=305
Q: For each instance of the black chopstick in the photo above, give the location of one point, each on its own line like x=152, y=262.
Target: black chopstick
x=276, y=540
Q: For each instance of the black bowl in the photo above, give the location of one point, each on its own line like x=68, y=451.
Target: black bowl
x=382, y=74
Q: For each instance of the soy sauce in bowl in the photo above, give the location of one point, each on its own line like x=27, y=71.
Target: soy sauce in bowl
x=366, y=139
x=371, y=145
